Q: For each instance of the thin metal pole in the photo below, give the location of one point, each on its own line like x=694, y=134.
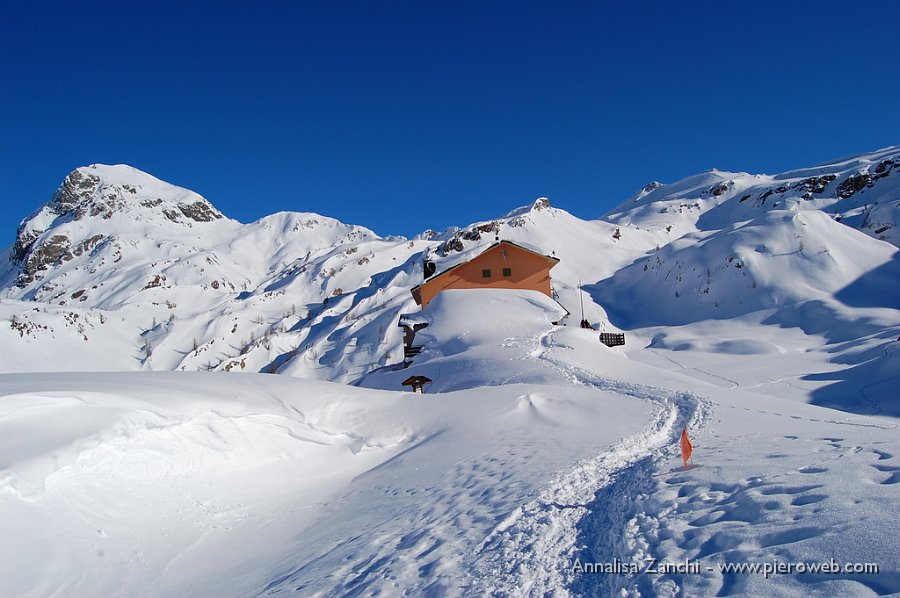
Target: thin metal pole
x=580, y=296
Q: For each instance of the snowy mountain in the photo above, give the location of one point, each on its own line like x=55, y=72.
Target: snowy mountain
x=130, y=273
x=859, y=191
x=761, y=312
x=128, y=281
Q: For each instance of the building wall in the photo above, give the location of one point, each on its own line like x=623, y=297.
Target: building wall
x=528, y=272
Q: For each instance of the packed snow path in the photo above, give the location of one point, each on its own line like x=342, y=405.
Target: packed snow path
x=533, y=550
x=469, y=526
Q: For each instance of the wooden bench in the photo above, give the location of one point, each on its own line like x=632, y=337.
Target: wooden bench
x=612, y=339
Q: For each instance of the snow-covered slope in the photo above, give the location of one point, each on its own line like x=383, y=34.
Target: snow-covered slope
x=121, y=271
x=760, y=312
x=780, y=258
x=219, y=484
x=747, y=243
x=120, y=266
x=861, y=191
x=176, y=285
x=811, y=252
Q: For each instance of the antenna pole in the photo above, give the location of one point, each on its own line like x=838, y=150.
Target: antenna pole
x=581, y=296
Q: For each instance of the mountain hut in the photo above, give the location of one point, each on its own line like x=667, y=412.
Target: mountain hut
x=503, y=265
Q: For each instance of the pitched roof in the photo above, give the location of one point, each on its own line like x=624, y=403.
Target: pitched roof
x=465, y=258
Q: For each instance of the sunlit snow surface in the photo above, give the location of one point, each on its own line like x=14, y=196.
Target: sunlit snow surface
x=228, y=484
x=761, y=312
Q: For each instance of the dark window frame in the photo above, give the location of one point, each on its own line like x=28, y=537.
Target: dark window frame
x=486, y=273
x=507, y=272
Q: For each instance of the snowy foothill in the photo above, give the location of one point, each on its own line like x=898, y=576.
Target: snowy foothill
x=217, y=484
x=193, y=406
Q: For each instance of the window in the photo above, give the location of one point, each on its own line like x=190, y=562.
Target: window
x=486, y=273
x=507, y=271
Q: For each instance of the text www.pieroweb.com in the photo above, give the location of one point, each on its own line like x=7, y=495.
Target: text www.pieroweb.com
x=652, y=566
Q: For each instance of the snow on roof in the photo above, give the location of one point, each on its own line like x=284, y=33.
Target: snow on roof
x=413, y=319
x=457, y=259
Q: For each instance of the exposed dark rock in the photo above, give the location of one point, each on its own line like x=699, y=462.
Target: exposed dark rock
x=76, y=188
x=885, y=166
x=38, y=258
x=474, y=233
x=780, y=189
x=720, y=189
x=86, y=245
x=157, y=281
x=24, y=241
x=28, y=327
x=853, y=184
x=816, y=184
x=454, y=243
x=200, y=211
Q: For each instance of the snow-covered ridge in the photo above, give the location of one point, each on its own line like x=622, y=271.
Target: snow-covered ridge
x=72, y=224
x=767, y=328
x=862, y=191
x=129, y=272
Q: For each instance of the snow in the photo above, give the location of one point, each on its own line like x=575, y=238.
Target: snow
x=761, y=312
x=199, y=484
x=503, y=330
x=781, y=258
x=158, y=480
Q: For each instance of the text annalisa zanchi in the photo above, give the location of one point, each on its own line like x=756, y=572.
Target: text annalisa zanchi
x=653, y=566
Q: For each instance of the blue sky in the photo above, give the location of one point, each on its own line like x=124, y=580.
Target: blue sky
x=406, y=115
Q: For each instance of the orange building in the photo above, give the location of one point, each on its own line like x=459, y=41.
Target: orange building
x=503, y=265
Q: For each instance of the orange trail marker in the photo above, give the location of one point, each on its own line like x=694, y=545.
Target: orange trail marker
x=686, y=448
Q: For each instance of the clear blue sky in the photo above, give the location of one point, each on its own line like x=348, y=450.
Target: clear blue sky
x=405, y=115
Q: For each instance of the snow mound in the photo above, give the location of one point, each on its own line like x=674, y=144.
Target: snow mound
x=862, y=192
x=779, y=259
x=468, y=329
x=218, y=484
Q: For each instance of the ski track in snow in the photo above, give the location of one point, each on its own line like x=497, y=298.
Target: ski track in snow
x=532, y=552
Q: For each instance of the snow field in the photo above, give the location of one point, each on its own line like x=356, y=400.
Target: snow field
x=754, y=306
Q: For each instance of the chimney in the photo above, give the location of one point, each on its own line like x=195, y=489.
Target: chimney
x=428, y=268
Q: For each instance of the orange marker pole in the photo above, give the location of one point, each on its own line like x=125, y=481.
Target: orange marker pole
x=686, y=448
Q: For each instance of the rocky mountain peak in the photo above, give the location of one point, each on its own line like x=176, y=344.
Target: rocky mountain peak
x=70, y=224
x=541, y=203
x=102, y=191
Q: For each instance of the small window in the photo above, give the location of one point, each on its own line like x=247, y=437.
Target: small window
x=507, y=271
x=486, y=273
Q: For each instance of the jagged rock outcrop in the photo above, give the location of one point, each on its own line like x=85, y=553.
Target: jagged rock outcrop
x=104, y=193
